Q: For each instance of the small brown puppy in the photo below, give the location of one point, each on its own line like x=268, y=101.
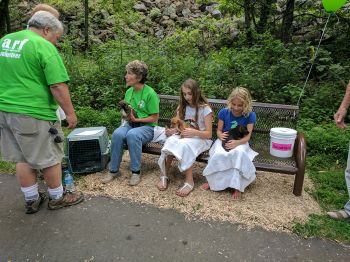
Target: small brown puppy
x=180, y=124
x=235, y=134
x=126, y=110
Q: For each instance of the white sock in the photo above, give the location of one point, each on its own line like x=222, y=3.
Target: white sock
x=56, y=193
x=30, y=193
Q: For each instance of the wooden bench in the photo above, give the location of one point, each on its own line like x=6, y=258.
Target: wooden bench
x=268, y=116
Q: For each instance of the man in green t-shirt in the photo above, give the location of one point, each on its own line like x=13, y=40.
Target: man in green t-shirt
x=32, y=85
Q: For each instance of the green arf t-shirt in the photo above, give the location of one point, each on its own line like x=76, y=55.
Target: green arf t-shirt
x=29, y=64
x=145, y=102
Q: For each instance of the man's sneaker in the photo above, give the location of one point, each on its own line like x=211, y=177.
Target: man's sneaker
x=68, y=199
x=339, y=215
x=135, y=179
x=110, y=177
x=34, y=206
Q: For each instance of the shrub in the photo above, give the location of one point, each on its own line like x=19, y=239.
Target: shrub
x=89, y=117
x=155, y=13
x=329, y=143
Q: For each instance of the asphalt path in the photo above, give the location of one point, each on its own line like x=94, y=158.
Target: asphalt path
x=103, y=229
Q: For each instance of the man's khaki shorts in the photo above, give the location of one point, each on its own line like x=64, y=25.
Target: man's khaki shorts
x=24, y=139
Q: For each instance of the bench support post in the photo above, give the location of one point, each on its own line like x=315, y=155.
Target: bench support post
x=300, y=161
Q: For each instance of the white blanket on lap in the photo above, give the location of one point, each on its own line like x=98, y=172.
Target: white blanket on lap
x=185, y=150
x=233, y=169
x=159, y=135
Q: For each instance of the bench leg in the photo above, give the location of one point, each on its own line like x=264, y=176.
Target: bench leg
x=298, y=183
x=300, y=151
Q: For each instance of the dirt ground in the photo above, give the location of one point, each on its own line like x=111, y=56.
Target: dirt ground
x=268, y=202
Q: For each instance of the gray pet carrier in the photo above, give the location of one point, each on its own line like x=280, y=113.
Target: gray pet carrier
x=88, y=149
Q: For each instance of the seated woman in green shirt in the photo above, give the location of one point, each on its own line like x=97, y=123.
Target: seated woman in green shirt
x=139, y=130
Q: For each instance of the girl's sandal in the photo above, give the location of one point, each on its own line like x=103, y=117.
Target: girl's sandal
x=187, y=188
x=164, y=181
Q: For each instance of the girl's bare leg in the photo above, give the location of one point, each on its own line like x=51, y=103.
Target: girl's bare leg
x=163, y=182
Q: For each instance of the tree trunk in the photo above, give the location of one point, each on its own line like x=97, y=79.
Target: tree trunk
x=5, y=24
x=248, y=21
x=86, y=29
x=287, y=22
x=265, y=12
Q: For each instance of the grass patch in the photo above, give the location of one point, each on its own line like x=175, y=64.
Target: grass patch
x=324, y=227
x=331, y=193
x=330, y=189
x=7, y=168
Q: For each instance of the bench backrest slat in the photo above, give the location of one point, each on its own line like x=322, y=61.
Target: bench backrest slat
x=268, y=115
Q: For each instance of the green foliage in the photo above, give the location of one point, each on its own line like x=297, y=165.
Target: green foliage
x=65, y=6
x=322, y=226
x=321, y=161
x=273, y=72
x=231, y=7
x=7, y=167
x=321, y=101
x=330, y=189
x=155, y=13
x=182, y=42
x=331, y=193
x=88, y=117
x=327, y=142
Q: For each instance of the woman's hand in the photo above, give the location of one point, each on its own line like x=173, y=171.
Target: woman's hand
x=222, y=135
x=189, y=132
x=231, y=144
x=170, y=131
x=132, y=117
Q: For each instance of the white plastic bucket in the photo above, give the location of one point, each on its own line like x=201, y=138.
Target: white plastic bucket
x=282, y=141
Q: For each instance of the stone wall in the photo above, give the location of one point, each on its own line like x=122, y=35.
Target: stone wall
x=161, y=17
x=157, y=17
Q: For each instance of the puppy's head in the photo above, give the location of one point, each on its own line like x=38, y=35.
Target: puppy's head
x=125, y=109
x=177, y=123
x=238, y=132
x=125, y=106
x=243, y=131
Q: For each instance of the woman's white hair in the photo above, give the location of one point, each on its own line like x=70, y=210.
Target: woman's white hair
x=42, y=19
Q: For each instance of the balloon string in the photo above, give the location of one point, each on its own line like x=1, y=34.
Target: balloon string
x=313, y=59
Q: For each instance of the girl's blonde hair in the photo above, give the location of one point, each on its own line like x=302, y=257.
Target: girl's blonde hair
x=198, y=98
x=244, y=96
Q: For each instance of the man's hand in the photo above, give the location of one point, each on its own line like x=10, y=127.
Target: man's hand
x=339, y=117
x=61, y=94
x=71, y=120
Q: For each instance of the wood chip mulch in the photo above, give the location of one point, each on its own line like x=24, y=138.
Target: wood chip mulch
x=268, y=202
